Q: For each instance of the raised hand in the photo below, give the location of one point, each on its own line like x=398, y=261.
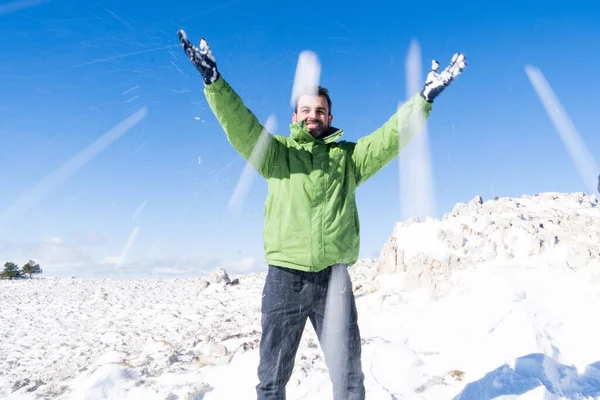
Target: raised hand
x=202, y=58
x=436, y=81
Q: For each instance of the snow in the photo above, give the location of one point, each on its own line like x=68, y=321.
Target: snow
x=492, y=326
x=415, y=169
x=307, y=76
x=571, y=138
x=61, y=174
x=256, y=158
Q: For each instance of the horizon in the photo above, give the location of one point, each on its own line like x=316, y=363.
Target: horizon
x=152, y=199
x=360, y=261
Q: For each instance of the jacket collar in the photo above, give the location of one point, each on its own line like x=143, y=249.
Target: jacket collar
x=300, y=134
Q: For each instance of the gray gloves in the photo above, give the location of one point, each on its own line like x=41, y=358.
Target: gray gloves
x=436, y=82
x=202, y=58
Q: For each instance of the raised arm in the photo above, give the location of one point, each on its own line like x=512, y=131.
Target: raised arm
x=373, y=152
x=376, y=150
x=245, y=133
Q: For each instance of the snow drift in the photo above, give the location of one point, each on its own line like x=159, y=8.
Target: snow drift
x=499, y=298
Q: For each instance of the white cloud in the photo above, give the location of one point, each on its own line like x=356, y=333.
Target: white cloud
x=60, y=257
x=111, y=261
x=170, y=266
x=55, y=251
x=89, y=239
x=52, y=240
x=169, y=271
x=245, y=265
x=117, y=267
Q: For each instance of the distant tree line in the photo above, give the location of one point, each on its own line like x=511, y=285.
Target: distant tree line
x=12, y=270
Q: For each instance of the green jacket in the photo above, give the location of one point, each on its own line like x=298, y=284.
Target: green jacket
x=311, y=220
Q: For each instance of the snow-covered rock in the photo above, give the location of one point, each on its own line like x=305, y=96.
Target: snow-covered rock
x=551, y=228
x=219, y=275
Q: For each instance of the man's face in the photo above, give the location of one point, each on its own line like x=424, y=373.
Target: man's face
x=315, y=111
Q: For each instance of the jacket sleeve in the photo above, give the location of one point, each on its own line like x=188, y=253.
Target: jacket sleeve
x=245, y=133
x=373, y=152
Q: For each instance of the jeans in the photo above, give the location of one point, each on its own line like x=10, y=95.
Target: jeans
x=290, y=297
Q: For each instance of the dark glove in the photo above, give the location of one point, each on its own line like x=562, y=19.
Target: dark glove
x=436, y=82
x=202, y=58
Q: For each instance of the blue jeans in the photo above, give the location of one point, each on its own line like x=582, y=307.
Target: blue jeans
x=290, y=297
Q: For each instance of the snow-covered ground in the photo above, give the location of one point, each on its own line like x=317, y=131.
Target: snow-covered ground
x=497, y=299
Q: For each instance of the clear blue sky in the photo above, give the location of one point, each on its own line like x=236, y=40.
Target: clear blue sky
x=71, y=71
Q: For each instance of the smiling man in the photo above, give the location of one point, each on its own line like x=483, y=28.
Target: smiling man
x=316, y=112
x=311, y=232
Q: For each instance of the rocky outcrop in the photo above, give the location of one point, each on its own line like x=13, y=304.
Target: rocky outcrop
x=219, y=275
x=562, y=229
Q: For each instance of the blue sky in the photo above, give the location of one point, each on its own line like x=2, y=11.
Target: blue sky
x=71, y=71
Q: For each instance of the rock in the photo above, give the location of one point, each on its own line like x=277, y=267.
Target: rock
x=204, y=284
x=456, y=241
x=173, y=358
x=217, y=349
x=558, y=227
x=205, y=337
x=218, y=275
x=388, y=258
x=19, y=384
x=196, y=391
x=475, y=203
x=460, y=209
x=488, y=251
x=204, y=360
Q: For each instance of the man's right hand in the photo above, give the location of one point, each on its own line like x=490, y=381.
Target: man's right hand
x=202, y=58
x=436, y=81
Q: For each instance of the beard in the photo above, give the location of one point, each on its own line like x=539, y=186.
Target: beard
x=317, y=131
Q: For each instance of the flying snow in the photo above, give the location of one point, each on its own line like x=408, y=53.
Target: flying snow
x=64, y=172
x=308, y=74
x=245, y=182
x=580, y=154
x=416, y=178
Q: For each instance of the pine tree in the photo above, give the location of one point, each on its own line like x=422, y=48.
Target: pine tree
x=32, y=268
x=11, y=270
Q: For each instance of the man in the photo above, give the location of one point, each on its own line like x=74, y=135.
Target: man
x=311, y=232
